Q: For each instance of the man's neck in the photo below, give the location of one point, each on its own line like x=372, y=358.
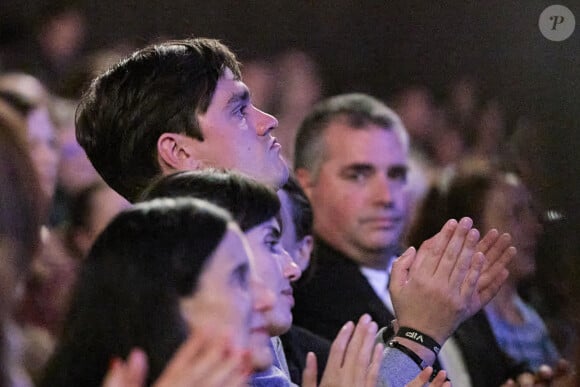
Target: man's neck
x=374, y=259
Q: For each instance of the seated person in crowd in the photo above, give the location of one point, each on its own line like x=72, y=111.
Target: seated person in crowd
x=296, y=215
x=498, y=198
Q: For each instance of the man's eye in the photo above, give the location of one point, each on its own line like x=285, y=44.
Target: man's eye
x=399, y=174
x=241, y=111
x=358, y=176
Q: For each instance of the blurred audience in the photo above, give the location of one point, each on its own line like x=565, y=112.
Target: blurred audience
x=20, y=214
x=52, y=270
x=91, y=211
x=288, y=85
x=75, y=171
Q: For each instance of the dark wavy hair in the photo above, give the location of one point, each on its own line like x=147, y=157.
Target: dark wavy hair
x=158, y=89
x=249, y=201
x=302, y=215
x=129, y=288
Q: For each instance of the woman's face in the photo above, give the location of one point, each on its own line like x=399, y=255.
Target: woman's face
x=226, y=299
x=43, y=149
x=509, y=208
x=276, y=269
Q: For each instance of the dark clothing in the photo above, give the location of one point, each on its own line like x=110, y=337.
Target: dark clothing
x=337, y=292
x=487, y=364
x=297, y=343
x=334, y=292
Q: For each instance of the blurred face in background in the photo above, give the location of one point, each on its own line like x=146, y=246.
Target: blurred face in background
x=43, y=149
x=75, y=171
x=509, y=207
x=105, y=204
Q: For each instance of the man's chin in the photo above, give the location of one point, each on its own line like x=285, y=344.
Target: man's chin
x=280, y=328
x=262, y=359
x=283, y=175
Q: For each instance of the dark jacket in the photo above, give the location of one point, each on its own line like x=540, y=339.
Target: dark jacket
x=297, y=342
x=333, y=292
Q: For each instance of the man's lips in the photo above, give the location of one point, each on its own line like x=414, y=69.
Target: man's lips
x=274, y=144
x=382, y=221
x=259, y=329
x=288, y=293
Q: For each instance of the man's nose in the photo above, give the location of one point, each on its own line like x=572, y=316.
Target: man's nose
x=264, y=122
x=382, y=191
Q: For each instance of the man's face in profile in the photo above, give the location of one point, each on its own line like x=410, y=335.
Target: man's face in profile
x=237, y=135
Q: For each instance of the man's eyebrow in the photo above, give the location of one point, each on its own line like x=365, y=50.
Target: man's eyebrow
x=239, y=96
x=398, y=168
x=358, y=167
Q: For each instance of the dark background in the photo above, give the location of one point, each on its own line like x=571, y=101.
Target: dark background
x=376, y=46
x=369, y=45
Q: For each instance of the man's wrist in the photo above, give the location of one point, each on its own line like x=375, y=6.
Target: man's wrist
x=410, y=353
x=427, y=356
x=420, y=338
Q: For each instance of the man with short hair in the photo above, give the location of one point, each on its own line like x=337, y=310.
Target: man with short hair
x=176, y=106
x=352, y=161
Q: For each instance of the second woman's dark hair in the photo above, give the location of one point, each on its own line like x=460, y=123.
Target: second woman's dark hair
x=249, y=202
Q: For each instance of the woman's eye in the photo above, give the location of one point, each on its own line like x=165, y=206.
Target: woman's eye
x=274, y=245
x=240, y=276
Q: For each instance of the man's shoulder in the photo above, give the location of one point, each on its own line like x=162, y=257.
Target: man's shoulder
x=306, y=338
x=297, y=342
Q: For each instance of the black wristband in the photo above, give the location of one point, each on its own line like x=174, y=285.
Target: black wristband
x=420, y=338
x=416, y=358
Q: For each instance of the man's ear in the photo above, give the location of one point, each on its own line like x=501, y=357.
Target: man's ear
x=305, y=180
x=304, y=251
x=175, y=152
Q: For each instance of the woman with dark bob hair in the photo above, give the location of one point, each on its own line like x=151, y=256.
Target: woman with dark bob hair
x=158, y=271
x=255, y=208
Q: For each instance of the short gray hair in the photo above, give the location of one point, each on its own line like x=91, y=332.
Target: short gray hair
x=358, y=110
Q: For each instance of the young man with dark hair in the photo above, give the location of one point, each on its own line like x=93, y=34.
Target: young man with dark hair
x=174, y=106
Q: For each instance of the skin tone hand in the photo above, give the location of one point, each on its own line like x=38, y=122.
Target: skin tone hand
x=423, y=378
x=434, y=289
x=498, y=252
x=354, y=360
x=131, y=373
x=203, y=359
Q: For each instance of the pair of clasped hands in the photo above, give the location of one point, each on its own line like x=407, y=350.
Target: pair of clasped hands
x=434, y=289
